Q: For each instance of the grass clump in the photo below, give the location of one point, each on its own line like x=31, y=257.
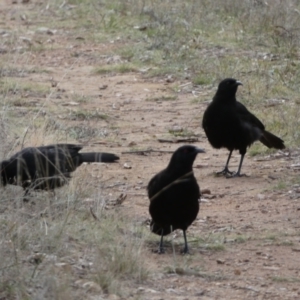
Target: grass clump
x=181, y=132
x=117, y=68
x=281, y=279
x=64, y=248
x=10, y=87
x=87, y=115
x=163, y=98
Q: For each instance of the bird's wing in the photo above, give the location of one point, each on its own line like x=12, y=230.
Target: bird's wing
x=71, y=149
x=158, y=183
x=163, y=181
x=246, y=116
x=153, y=186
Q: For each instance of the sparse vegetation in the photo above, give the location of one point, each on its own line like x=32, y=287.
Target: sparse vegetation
x=83, y=115
x=181, y=132
x=70, y=246
x=163, y=98
x=285, y=279
x=118, y=68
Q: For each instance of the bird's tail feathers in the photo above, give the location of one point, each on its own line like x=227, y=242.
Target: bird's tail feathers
x=98, y=157
x=3, y=177
x=157, y=229
x=272, y=141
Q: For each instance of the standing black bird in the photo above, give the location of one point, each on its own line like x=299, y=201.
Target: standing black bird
x=47, y=167
x=174, y=195
x=228, y=124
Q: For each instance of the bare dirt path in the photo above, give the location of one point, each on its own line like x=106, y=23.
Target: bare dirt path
x=256, y=222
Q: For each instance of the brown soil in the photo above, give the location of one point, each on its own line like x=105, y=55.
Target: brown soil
x=257, y=222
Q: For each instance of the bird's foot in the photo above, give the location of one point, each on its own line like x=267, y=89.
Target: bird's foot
x=235, y=174
x=27, y=198
x=225, y=172
x=161, y=250
x=185, y=251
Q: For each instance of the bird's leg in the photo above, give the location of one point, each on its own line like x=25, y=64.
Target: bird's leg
x=161, y=249
x=185, y=250
x=25, y=199
x=238, y=173
x=226, y=170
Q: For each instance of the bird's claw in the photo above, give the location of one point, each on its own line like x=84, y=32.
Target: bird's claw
x=225, y=172
x=185, y=252
x=235, y=174
x=161, y=251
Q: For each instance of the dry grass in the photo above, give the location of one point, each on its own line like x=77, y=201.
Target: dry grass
x=53, y=244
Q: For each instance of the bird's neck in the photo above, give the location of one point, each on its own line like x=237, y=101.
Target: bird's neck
x=180, y=170
x=224, y=98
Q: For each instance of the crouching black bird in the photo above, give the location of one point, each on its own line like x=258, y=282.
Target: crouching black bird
x=174, y=195
x=228, y=124
x=47, y=167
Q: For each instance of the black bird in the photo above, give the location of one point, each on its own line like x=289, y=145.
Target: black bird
x=228, y=124
x=174, y=195
x=47, y=167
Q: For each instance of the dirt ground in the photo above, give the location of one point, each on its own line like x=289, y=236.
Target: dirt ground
x=255, y=217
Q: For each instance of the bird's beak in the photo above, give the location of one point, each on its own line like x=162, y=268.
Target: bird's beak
x=238, y=83
x=199, y=150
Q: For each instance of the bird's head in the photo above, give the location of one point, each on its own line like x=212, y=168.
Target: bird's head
x=228, y=87
x=184, y=157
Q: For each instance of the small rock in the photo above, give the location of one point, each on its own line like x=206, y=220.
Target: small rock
x=151, y=291
x=71, y=103
x=176, y=129
x=127, y=166
x=211, y=196
x=103, y=87
x=45, y=30
x=141, y=28
x=92, y=286
x=131, y=144
x=140, y=289
x=170, y=79
x=116, y=106
x=220, y=261
x=237, y=272
x=260, y=197
x=26, y=40
x=205, y=191
x=204, y=200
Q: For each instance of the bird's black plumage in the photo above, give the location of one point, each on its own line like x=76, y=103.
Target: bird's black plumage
x=47, y=167
x=228, y=124
x=174, y=195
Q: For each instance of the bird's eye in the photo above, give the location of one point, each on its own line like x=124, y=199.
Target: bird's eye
x=186, y=150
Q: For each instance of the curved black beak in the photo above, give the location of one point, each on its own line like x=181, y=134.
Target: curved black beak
x=199, y=150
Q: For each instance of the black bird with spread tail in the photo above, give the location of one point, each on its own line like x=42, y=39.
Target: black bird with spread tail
x=47, y=167
x=228, y=124
x=174, y=195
